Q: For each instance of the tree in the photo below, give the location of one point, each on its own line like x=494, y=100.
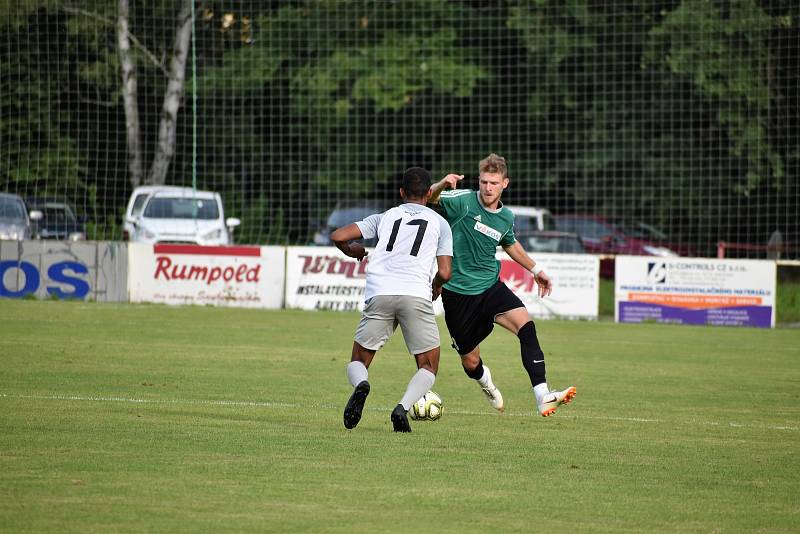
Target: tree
x=327, y=91
x=165, y=145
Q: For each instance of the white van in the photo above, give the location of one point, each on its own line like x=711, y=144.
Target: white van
x=531, y=218
x=181, y=215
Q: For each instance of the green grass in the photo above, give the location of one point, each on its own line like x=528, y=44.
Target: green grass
x=787, y=302
x=190, y=419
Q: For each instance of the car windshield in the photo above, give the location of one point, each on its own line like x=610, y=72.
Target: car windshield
x=585, y=227
x=181, y=208
x=138, y=203
x=560, y=244
x=54, y=213
x=522, y=223
x=12, y=208
x=639, y=230
x=346, y=215
x=548, y=221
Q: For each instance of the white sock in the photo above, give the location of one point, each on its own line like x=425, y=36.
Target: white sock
x=356, y=373
x=420, y=384
x=540, y=390
x=486, y=380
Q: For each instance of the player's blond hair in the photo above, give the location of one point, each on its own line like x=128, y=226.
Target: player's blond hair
x=493, y=164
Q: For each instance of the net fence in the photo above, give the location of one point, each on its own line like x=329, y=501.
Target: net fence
x=675, y=121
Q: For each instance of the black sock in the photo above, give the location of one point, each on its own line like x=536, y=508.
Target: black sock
x=532, y=355
x=476, y=373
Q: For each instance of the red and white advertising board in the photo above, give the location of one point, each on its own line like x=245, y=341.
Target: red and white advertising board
x=322, y=278
x=243, y=276
x=576, y=285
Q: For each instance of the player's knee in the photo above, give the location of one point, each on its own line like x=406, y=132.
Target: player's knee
x=475, y=372
x=428, y=363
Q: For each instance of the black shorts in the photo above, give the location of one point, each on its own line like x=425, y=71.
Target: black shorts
x=470, y=318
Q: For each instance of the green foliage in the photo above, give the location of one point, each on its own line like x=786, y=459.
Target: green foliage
x=787, y=302
x=37, y=153
x=723, y=50
x=388, y=74
x=241, y=70
x=639, y=108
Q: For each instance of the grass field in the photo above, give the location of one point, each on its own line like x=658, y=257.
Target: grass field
x=190, y=419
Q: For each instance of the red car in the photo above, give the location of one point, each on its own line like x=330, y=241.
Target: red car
x=611, y=235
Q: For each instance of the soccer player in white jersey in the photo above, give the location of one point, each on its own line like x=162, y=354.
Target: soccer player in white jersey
x=407, y=269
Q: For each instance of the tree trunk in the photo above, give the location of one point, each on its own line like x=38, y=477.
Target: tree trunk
x=165, y=147
x=135, y=167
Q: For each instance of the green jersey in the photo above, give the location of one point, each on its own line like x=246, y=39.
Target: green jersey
x=477, y=231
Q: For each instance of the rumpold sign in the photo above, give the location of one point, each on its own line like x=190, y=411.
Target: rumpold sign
x=248, y=276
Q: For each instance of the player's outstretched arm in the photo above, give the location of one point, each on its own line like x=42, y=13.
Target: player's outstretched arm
x=342, y=238
x=448, y=182
x=518, y=254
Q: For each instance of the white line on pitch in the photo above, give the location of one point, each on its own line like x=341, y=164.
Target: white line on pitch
x=266, y=404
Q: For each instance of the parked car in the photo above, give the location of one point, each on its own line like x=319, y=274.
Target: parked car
x=611, y=236
x=650, y=233
x=15, y=221
x=532, y=218
x=551, y=241
x=136, y=204
x=182, y=215
x=601, y=235
x=58, y=220
x=347, y=212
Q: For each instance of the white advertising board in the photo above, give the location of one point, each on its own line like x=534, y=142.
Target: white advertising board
x=243, y=276
x=85, y=270
x=322, y=278
x=695, y=291
x=576, y=285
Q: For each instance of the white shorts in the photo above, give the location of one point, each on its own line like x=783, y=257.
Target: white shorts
x=383, y=313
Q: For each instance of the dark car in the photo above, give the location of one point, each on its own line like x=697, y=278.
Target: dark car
x=602, y=235
x=551, y=241
x=349, y=212
x=58, y=221
x=612, y=235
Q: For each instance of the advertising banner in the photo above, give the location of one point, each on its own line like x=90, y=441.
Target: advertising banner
x=242, y=276
x=695, y=291
x=322, y=278
x=576, y=285
x=82, y=270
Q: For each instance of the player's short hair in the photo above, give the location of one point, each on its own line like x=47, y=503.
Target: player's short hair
x=416, y=182
x=494, y=164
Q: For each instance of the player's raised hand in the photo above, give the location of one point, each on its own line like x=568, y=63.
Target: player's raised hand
x=545, y=285
x=452, y=180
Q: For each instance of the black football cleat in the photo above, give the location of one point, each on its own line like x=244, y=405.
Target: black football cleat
x=352, y=412
x=400, y=419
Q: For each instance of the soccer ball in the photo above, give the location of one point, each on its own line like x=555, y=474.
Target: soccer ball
x=427, y=408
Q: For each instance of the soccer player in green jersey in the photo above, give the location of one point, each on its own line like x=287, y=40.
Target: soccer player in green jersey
x=475, y=299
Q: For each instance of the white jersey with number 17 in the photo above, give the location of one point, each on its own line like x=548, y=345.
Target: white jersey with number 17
x=410, y=236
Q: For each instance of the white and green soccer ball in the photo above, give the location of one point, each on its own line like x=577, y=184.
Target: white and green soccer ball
x=427, y=408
